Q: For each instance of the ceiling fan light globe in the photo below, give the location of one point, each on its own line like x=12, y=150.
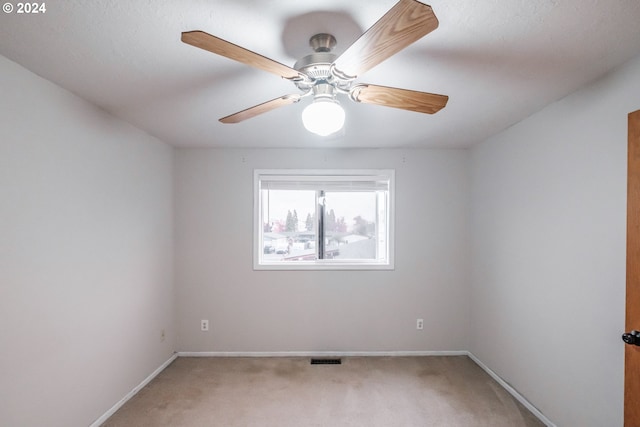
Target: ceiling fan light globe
x=323, y=117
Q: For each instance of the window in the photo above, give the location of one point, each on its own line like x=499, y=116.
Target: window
x=323, y=219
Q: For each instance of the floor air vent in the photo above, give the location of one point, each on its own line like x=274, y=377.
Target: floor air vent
x=326, y=361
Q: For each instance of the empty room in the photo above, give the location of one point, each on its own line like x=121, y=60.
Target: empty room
x=320, y=213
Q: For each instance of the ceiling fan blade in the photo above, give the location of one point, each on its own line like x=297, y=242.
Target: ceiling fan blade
x=222, y=47
x=261, y=108
x=403, y=24
x=412, y=100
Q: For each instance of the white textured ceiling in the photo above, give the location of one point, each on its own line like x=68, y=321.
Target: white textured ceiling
x=498, y=60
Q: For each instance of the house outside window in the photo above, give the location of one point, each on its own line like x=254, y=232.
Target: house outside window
x=323, y=219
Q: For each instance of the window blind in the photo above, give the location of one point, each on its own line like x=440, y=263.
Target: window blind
x=325, y=182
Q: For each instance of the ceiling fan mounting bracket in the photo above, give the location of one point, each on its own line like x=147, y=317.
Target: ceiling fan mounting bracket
x=355, y=92
x=301, y=78
x=322, y=42
x=339, y=75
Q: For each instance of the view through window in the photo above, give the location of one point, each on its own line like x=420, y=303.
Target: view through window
x=323, y=219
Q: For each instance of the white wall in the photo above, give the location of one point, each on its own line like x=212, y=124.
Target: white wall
x=275, y=311
x=85, y=255
x=548, y=260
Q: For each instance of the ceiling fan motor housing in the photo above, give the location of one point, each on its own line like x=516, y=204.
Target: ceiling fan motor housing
x=316, y=65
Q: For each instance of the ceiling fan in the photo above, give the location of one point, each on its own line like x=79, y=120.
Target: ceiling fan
x=324, y=75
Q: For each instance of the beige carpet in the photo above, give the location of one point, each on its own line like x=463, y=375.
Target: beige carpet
x=363, y=391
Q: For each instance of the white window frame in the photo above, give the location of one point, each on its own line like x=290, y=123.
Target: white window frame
x=323, y=175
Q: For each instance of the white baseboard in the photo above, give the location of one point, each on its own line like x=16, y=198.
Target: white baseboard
x=133, y=392
x=318, y=353
x=520, y=398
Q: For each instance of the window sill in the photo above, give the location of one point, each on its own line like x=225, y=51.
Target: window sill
x=329, y=265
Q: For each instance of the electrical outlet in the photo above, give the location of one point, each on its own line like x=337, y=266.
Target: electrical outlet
x=419, y=324
x=204, y=325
